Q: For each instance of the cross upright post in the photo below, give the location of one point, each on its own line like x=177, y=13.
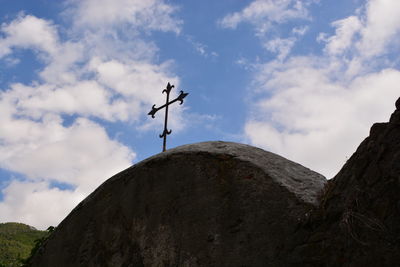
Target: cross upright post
x=153, y=111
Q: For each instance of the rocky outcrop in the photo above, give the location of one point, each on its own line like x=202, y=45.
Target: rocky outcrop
x=227, y=204
x=358, y=220
x=206, y=204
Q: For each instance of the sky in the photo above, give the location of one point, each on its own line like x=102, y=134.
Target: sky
x=303, y=79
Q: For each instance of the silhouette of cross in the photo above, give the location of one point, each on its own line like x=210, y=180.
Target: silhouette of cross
x=153, y=111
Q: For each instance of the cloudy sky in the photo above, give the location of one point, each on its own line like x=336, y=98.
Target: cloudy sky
x=304, y=79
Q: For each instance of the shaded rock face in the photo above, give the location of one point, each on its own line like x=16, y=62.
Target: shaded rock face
x=207, y=204
x=358, y=220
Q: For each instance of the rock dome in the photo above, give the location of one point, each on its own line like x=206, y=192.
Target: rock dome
x=205, y=204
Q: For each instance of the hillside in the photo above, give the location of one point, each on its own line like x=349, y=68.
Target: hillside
x=16, y=242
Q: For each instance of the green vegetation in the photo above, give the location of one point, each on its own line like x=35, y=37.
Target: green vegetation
x=16, y=242
x=38, y=244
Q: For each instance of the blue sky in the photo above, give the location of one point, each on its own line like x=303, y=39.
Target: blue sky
x=304, y=79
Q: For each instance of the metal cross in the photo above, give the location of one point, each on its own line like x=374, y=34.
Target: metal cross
x=153, y=111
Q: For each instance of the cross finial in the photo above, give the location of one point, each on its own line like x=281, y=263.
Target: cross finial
x=153, y=111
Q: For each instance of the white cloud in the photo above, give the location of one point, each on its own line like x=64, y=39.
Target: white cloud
x=280, y=46
x=317, y=109
x=29, y=32
x=37, y=204
x=382, y=26
x=81, y=155
x=301, y=30
x=264, y=13
x=66, y=154
x=369, y=33
x=83, y=76
x=201, y=48
x=266, y=16
x=344, y=35
x=315, y=120
x=86, y=98
x=96, y=71
x=140, y=80
x=146, y=15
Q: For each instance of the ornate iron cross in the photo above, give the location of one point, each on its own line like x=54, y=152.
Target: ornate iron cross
x=153, y=111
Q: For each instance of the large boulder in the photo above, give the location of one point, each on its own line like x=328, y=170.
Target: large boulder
x=206, y=204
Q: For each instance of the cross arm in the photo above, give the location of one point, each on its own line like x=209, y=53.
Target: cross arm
x=180, y=98
x=154, y=110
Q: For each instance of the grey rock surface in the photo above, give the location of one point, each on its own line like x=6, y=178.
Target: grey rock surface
x=205, y=204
